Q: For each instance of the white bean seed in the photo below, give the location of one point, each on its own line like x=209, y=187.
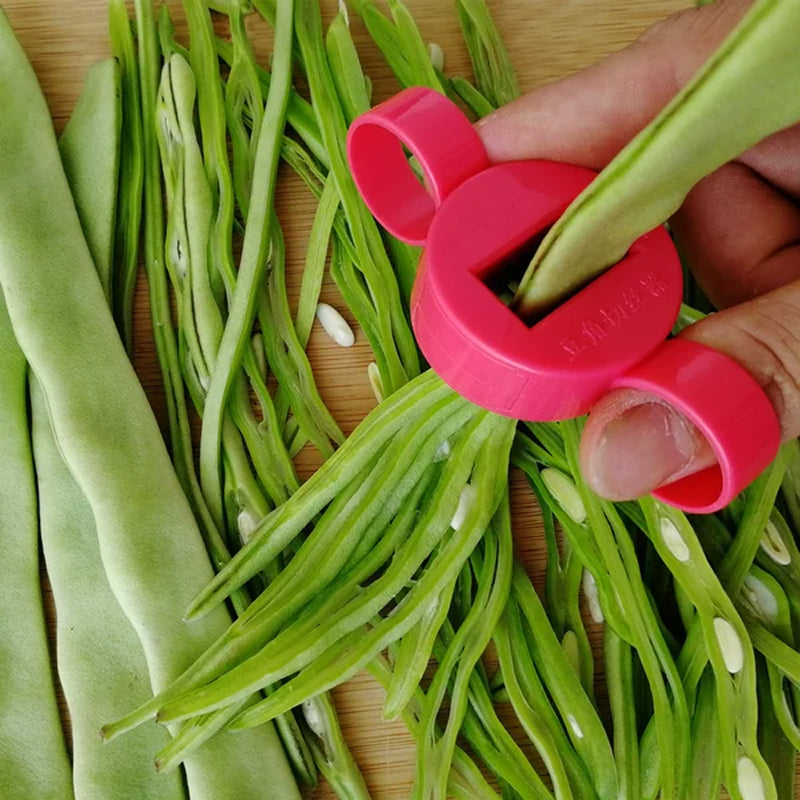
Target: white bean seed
x=673, y=540
x=565, y=493
x=730, y=644
x=335, y=325
x=465, y=502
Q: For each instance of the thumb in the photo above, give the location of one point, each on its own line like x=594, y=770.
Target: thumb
x=634, y=442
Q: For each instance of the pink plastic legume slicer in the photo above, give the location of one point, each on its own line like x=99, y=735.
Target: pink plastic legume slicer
x=473, y=218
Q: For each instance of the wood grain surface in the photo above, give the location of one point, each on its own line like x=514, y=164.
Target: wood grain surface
x=547, y=39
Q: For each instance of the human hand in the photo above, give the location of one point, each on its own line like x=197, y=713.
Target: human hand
x=739, y=229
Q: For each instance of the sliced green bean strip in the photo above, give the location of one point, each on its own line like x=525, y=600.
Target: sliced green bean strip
x=236, y=335
x=534, y=697
x=131, y=176
x=288, y=359
x=299, y=113
x=356, y=295
x=554, y=590
x=524, y=445
x=582, y=723
x=619, y=681
x=264, y=445
x=671, y=712
x=388, y=39
x=779, y=752
x=760, y=500
x=316, y=255
x=302, y=757
x=706, y=769
x=494, y=72
x=475, y=101
x=486, y=442
x=733, y=568
x=778, y=620
x=191, y=736
x=399, y=349
x=535, y=728
x=405, y=259
x=496, y=747
x=346, y=68
x=791, y=483
x=169, y=45
x=413, y=655
x=243, y=99
x=782, y=655
x=285, y=522
x=585, y=547
x=747, y=90
x=211, y=115
x=465, y=778
x=422, y=71
x=737, y=704
x=330, y=749
x=465, y=649
x=575, y=625
x=737, y=560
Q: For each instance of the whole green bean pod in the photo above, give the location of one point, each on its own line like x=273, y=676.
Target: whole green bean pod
x=100, y=661
x=747, y=90
x=33, y=751
x=92, y=137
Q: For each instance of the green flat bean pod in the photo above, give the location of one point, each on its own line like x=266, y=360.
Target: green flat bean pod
x=749, y=89
x=33, y=750
x=131, y=175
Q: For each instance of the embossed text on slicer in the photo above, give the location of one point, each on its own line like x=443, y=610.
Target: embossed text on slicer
x=593, y=330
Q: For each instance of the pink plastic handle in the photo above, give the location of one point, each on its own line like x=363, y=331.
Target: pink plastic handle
x=439, y=136
x=559, y=367
x=728, y=407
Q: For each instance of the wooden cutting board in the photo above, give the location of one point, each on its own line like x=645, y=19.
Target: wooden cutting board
x=547, y=39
